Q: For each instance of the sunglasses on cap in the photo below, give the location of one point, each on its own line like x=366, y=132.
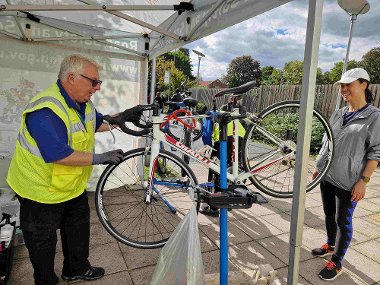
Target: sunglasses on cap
x=94, y=82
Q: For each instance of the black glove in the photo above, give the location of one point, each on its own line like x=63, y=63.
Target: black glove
x=109, y=157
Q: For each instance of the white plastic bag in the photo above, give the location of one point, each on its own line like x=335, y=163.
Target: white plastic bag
x=180, y=261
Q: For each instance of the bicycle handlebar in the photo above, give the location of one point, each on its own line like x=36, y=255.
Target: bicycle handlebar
x=133, y=115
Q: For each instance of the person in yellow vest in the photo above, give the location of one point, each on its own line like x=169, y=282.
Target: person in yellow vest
x=50, y=169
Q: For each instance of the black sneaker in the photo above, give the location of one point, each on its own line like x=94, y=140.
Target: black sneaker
x=331, y=271
x=209, y=211
x=92, y=273
x=324, y=250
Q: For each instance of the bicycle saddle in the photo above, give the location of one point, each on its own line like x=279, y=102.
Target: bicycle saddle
x=190, y=102
x=237, y=90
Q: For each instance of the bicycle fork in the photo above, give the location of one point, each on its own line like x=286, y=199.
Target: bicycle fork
x=150, y=187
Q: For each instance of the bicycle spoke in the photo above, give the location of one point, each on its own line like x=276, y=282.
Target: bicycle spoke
x=122, y=199
x=281, y=121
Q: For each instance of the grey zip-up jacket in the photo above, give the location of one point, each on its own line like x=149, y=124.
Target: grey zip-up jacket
x=354, y=144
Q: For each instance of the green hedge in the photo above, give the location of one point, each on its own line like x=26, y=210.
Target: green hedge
x=279, y=125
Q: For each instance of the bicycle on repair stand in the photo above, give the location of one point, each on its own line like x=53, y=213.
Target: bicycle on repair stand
x=141, y=207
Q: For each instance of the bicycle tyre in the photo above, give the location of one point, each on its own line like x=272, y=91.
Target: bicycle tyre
x=282, y=119
x=176, y=131
x=120, y=199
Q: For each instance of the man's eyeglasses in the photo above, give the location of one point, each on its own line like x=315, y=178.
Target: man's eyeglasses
x=94, y=82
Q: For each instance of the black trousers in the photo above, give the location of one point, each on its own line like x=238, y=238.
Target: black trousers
x=338, y=209
x=39, y=223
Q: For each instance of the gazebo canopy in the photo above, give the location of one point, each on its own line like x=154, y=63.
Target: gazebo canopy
x=138, y=28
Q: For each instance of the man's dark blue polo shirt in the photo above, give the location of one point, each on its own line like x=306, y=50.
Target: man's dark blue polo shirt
x=50, y=132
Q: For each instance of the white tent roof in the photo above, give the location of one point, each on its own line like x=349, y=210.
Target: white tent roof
x=126, y=25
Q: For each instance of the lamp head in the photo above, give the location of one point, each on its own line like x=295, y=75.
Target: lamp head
x=198, y=53
x=354, y=7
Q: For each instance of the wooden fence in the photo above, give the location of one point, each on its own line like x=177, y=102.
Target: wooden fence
x=258, y=99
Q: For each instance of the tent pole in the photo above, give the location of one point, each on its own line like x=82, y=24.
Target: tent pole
x=145, y=87
x=313, y=33
x=153, y=81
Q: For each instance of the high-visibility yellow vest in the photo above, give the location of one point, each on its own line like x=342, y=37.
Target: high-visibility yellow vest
x=30, y=176
x=230, y=130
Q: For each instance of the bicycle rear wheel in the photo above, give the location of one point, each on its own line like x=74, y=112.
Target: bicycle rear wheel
x=276, y=157
x=120, y=199
x=177, y=130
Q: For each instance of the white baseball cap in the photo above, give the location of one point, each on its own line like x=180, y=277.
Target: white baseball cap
x=352, y=75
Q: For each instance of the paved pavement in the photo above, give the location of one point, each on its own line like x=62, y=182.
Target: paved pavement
x=259, y=235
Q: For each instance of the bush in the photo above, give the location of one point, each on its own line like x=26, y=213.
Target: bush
x=285, y=126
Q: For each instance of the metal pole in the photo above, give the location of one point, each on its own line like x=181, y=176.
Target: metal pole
x=153, y=81
x=345, y=64
x=146, y=71
x=223, y=218
x=313, y=34
x=199, y=63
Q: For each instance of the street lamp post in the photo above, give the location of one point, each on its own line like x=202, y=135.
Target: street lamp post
x=353, y=9
x=200, y=55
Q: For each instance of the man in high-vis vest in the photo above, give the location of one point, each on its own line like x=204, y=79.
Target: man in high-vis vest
x=51, y=166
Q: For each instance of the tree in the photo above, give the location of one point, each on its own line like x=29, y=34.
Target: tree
x=321, y=77
x=181, y=58
x=324, y=78
x=179, y=71
x=293, y=72
x=266, y=73
x=371, y=63
x=176, y=76
x=276, y=78
x=336, y=72
x=242, y=70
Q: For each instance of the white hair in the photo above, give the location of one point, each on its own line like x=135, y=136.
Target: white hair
x=74, y=63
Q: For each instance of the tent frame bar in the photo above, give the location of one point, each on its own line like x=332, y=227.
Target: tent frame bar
x=112, y=9
x=90, y=7
x=18, y=24
x=83, y=38
x=208, y=15
x=137, y=21
x=11, y=35
x=134, y=52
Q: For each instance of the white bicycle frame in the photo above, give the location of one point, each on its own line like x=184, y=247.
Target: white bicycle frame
x=235, y=177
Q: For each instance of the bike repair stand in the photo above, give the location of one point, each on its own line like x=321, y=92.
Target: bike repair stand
x=223, y=211
x=235, y=196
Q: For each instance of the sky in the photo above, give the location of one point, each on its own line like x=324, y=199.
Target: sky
x=278, y=36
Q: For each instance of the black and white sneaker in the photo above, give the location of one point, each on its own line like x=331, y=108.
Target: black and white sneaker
x=324, y=250
x=92, y=273
x=331, y=271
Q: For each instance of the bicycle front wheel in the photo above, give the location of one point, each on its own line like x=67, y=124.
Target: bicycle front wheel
x=120, y=198
x=269, y=148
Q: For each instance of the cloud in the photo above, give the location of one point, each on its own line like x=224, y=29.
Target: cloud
x=278, y=36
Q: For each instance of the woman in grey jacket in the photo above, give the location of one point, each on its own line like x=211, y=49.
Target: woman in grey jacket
x=356, y=155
